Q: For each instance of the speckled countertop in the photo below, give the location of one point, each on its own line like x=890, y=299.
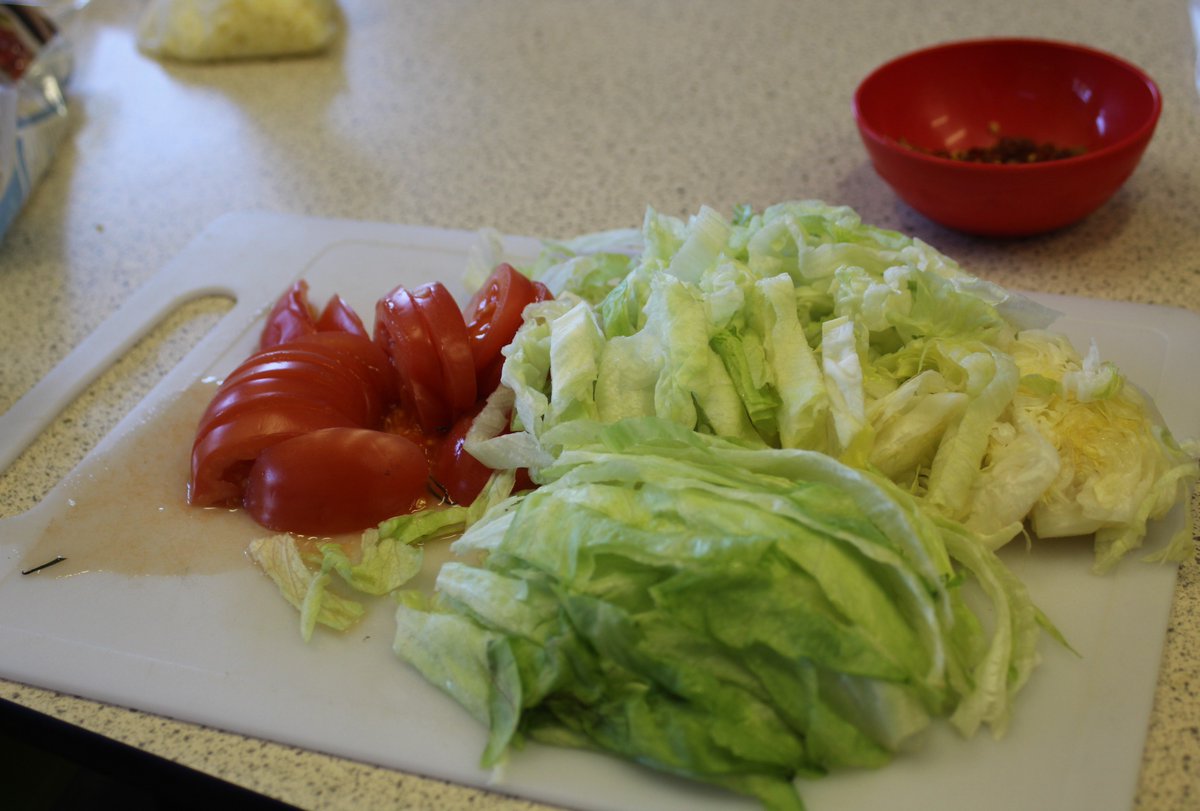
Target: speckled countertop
x=543, y=117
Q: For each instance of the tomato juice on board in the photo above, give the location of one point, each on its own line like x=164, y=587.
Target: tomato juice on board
x=126, y=511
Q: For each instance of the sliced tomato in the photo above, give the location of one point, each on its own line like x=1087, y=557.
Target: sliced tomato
x=297, y=360
x=291, y=317
x=302, y=379
x=335, y=480
x=541, y=292
x=294, y=316
x=444, y=321
x=221, y=459
x=346, y=368
x=316, y=381
x=362, y=355
x=459, y=473
x=493, y=314
x=338, y=316
x=275, y=393
x=291, y=434
x=488, y=378
x=401, y=333
x=402, y=422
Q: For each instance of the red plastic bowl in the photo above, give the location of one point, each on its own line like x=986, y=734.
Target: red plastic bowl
x=959, y=95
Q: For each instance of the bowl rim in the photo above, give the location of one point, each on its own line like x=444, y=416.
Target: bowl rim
x=1143, y=132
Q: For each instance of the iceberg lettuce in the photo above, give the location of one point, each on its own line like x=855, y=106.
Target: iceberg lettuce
x=745, y=617
x=1117, y=468
x=802, y=327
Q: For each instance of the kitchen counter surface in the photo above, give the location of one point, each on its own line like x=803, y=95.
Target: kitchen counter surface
x=548, y=118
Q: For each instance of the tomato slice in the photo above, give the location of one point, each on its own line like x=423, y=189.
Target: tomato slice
x=401, y=421
x=401, y=333
x=338, y=316
x=493, y=314
x=335, y=480
x=444, y=322
x=291, y=317
x=291, y=434
x=300, y=377
x=458, y=472
x=221, y=459
x=361, y=390
x=294, y=316
x=315, y=381
x=488, y=378
x=279, y=393
x=361, y=355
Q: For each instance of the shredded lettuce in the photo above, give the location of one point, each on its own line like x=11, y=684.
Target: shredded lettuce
x=385, y=560
x=802, y=327
x=302, y=585
x=740, y=616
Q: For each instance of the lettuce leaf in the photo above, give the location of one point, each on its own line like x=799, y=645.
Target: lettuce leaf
x=745, y=617
x=385, y=559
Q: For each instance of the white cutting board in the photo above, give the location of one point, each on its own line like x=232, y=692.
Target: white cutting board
x=223, y=649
